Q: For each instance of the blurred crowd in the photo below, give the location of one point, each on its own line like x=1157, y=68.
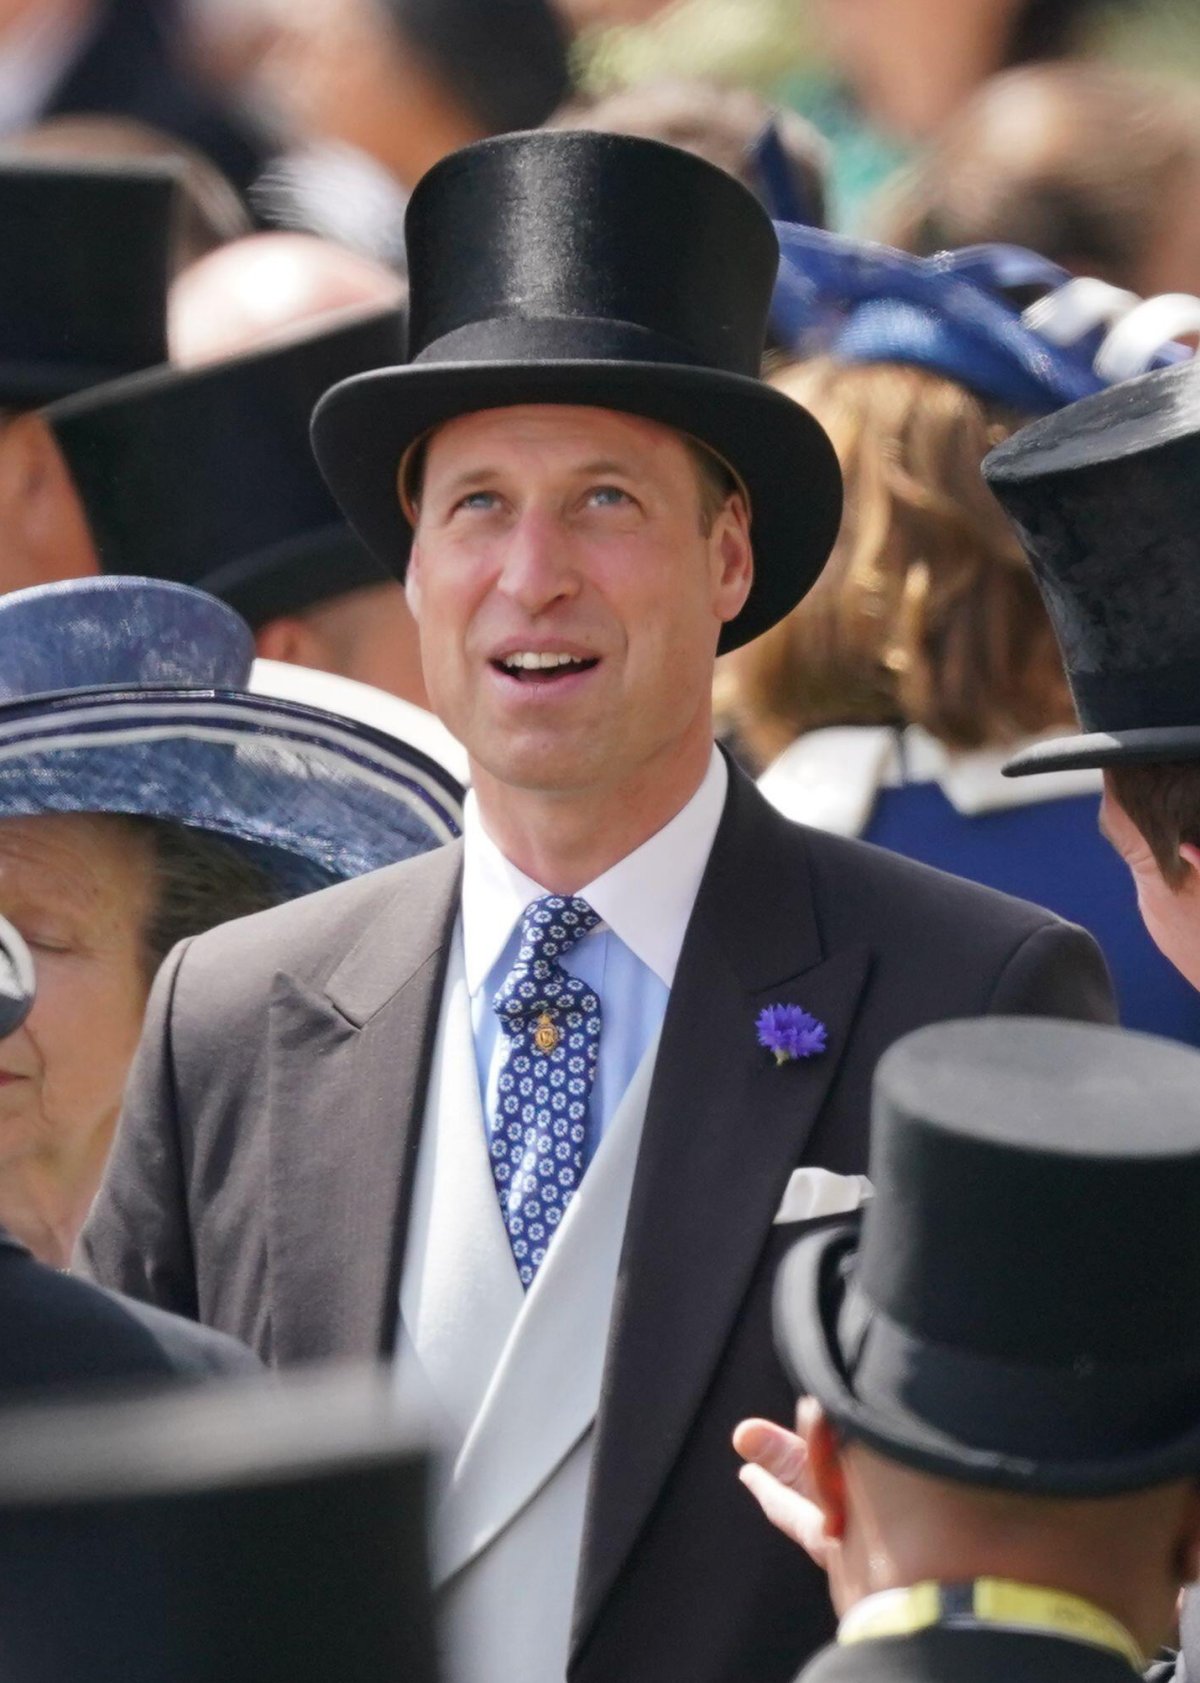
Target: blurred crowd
x=221, y=695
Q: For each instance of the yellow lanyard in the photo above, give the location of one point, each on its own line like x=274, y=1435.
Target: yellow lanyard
x=988, y=1601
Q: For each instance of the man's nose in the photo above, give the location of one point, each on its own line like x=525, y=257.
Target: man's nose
x=536, y=569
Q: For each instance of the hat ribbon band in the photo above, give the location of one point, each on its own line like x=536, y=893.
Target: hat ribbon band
x=1151, y=698
x=998, y=1603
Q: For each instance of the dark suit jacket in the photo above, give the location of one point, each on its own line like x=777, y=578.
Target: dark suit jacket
x=56, y=1333
x=263, y=1167
x=130, y=67
x=969, y=1656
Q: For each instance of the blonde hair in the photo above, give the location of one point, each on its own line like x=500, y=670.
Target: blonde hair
x=926, y=612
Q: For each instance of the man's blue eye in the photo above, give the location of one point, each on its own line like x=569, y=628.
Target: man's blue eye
x=479, y=500
x=609, y=495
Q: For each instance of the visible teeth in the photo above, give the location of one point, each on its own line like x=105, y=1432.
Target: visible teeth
x=532, y=662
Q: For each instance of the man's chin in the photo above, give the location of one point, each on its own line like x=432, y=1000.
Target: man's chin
x=537, y=767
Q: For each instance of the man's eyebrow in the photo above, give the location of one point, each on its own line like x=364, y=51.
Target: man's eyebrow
x=608, y=464
x=473, y=478
x=470, y=480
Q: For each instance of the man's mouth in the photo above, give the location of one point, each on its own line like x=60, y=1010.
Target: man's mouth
x=532, y=667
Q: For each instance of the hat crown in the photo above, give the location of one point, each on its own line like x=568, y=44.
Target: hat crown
x=84, y=267
x=1106, y=498
x=522, y=230
x=1021, y=1163
x=124, y=633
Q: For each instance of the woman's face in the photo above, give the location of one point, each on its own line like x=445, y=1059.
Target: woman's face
x=79, y=888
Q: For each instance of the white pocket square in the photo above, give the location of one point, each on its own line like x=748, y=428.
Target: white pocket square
x=811, y=1193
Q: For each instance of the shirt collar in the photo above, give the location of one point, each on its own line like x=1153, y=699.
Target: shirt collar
x=646, y=898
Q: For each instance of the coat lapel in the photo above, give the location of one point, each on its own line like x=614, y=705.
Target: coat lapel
x=724, y=1128
x=349, y=1066
x=459, y=1294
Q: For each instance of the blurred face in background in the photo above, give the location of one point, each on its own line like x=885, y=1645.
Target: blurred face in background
x=590, y=14
x=912, y=63
x=44, y=534
x=80, y=889
x=16, y=13
x=341, y=70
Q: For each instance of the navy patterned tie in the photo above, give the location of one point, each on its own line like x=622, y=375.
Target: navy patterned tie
x=539, y=1132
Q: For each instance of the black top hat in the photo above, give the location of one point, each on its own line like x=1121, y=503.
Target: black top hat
x=508, y=61
x=247, y=1533
x=600, y=270
x=84, y=265
x=1018, y=1312
x=1106, y=498
x=205, y=476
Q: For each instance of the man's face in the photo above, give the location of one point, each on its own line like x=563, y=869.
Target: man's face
x=1171, y=915
x=549, y=531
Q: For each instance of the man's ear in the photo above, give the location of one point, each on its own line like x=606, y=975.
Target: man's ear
x=412, y=581
x=1188, y=1563
x=735, y=552
x=825, y=1475
x=1191, y=858
x=289, y=638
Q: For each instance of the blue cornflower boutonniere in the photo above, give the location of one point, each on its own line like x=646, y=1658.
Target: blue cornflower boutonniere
x=790, y=1032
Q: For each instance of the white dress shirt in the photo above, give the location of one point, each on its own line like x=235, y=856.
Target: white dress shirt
x=644, y=903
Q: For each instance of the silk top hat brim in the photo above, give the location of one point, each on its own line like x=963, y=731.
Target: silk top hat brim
x=814, y=1310
x=596, y=271
x=205, y=475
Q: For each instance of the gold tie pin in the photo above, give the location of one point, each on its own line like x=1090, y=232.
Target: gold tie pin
x=545, y=1036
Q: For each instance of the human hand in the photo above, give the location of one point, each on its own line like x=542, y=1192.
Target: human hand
x=776, y=1475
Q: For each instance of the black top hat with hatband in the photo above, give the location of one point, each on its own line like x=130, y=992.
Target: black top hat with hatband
x=1106, y=498
x=250, y=1532
x=507, y=61
x=85, y=261
x=205, y=476
x=596, y=270
x=1016, y=1311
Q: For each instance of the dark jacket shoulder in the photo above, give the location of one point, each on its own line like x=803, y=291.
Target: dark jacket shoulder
x=948, y=947
x=58, y=1332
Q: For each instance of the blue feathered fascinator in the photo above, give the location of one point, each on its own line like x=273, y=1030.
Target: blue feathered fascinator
x=957, y=314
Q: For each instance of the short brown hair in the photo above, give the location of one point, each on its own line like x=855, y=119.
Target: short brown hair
x=1163, y=802
x=926, y=612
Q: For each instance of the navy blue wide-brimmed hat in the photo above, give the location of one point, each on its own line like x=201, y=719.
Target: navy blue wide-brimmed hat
x=958, y=314
x=206, y=475
x=129, y=695
x=84, y=266
x=605, y=271
x=1106, y=499
x=1014, y=1311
